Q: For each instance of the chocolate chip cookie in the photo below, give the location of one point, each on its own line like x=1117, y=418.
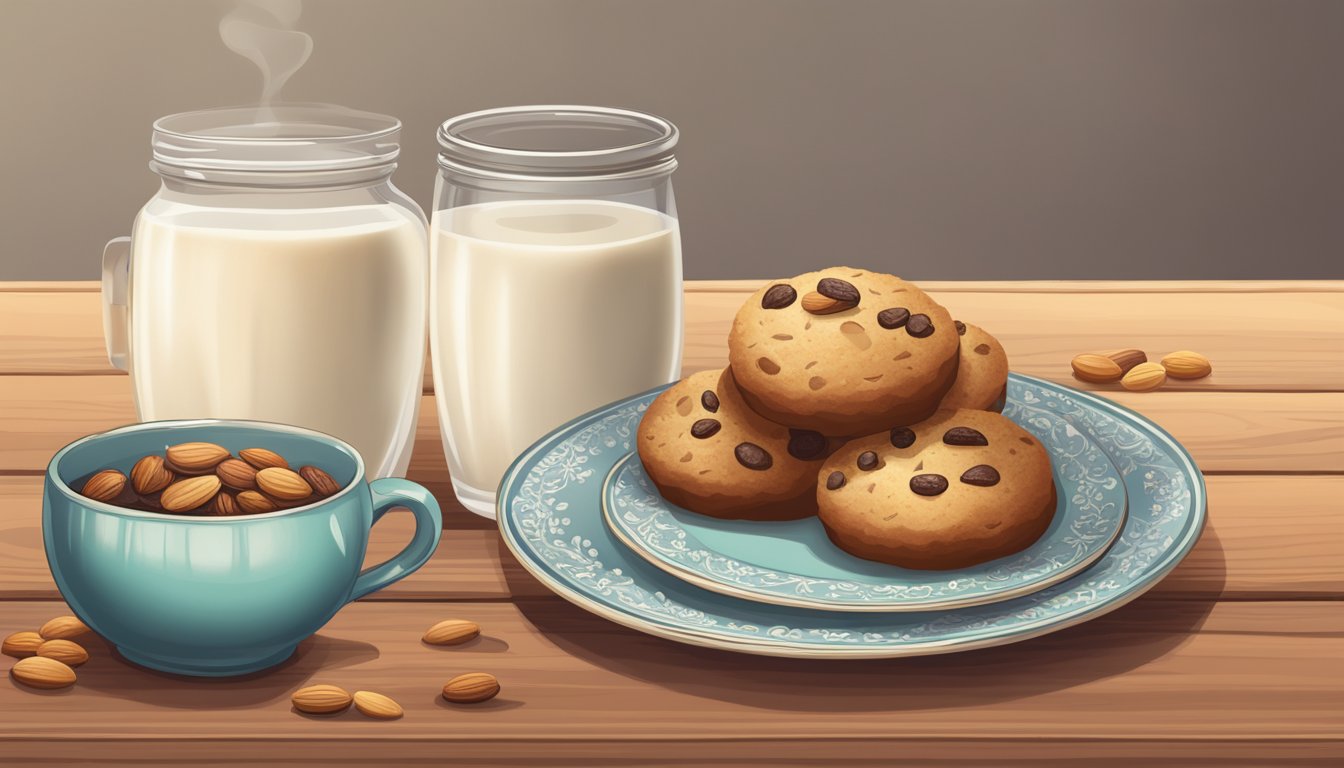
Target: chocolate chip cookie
x=709, y=453
x=982, y=376
x=843, y=351
x=961, y=488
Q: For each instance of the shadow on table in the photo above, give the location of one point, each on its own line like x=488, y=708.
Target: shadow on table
x=1110, y=645
x=110, y=673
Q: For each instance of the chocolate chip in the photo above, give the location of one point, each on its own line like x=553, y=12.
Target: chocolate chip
x=710, y=401
x=752, y=456
x=982, y=475
x=928, y=485
x=961, y=327
x=835, y=480
x=902, y=437
x=868, y=461
x=705, y=428
x=964, y=436
x=893, y=318
x=779, y=296
x=840, y=290
x=805, y=445
x=919, y=326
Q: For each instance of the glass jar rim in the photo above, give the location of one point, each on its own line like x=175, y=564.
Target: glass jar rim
x=284, y=138
x=557, y=140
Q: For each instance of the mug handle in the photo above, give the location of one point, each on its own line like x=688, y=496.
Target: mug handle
x=392, y=492
x=116, y=274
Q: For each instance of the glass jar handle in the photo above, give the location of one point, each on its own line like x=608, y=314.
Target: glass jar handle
x=116, y=319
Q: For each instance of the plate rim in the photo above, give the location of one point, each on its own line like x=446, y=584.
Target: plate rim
x=820, y=604
x=660, y=628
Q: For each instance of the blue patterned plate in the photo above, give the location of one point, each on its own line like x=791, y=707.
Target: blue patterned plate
x=550, y=517
x=794, y=562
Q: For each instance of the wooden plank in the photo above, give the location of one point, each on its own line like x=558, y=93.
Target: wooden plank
x=1300, y=347
x=1253, y=673
x=1225, y=431
x=1269, y=537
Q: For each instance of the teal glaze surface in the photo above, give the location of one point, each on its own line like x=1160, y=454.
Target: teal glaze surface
x=218, y=596
x=793, y=562
x=550, y=516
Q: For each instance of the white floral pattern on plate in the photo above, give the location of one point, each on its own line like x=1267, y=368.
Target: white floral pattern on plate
x=550, y=518
x=1090, y=514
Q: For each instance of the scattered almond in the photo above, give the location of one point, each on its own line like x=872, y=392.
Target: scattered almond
x=820, y=304
x=284, y=484
x=196, y=457
x=105, y=485
x=320, y=699
x=253, y=503
x=1187, y=365
x=63, y=628
x=376, y=705
x=452, y=632
x=1098, y=369
x=1127, y=358
x=67, y=652
x=471, y=688
x=41, y=672
x=190, y=493
x=21, y=645
x=236, y=473
x=1144, y=377
x=323, y=485
x=262, y=458
x=151, y=475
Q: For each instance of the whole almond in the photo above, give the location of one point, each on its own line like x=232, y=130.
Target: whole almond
x=1187, y=365
x=21, y=645
x=196, y=457
x=376, y=705
x=224, y=505
x=41, y=672
x=262, y=458
x=1127, y=358
x=188, y=494
x=820, y=304
x=236, y=473
x=322, y=483
x=1098, y=369
x=1144, y=377
x=471, y=688
x=283, y=484
x=104, y=486
x=451, y=632
x=63, y=628
x=151, y=475
x=320, y=699
x=253, y=503
x=67, y=652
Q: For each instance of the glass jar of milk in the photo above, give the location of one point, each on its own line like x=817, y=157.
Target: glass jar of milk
x=276, y=275
x=555, y=282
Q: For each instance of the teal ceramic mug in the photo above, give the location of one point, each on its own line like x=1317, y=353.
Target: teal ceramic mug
x=219, y=596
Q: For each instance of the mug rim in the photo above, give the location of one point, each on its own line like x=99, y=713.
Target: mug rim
x=54, y=477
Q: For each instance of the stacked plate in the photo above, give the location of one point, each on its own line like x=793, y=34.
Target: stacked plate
x=580, y=514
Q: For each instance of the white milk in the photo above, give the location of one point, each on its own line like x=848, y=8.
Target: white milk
x=542, y=311
x=321, y=327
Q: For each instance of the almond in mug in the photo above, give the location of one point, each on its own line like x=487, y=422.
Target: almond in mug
x=263, y=458
x=151, y=475
x=196, y=458
x=237, y=474
x=322, y=483
x=283, y=484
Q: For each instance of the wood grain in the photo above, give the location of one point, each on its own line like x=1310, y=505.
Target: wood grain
x=1225, y=431
x=1147, y=673
x=1254, y=547
x=1299, y=346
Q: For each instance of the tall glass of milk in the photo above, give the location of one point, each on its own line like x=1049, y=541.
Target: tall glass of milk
x=555, y=277
x=276, y=275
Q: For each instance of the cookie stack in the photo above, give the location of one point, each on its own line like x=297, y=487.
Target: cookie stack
x=855, y=396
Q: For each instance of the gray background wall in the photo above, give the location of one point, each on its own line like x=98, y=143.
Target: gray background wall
x=954, y=139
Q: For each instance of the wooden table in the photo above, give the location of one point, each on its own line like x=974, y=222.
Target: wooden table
x=1237, y=657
